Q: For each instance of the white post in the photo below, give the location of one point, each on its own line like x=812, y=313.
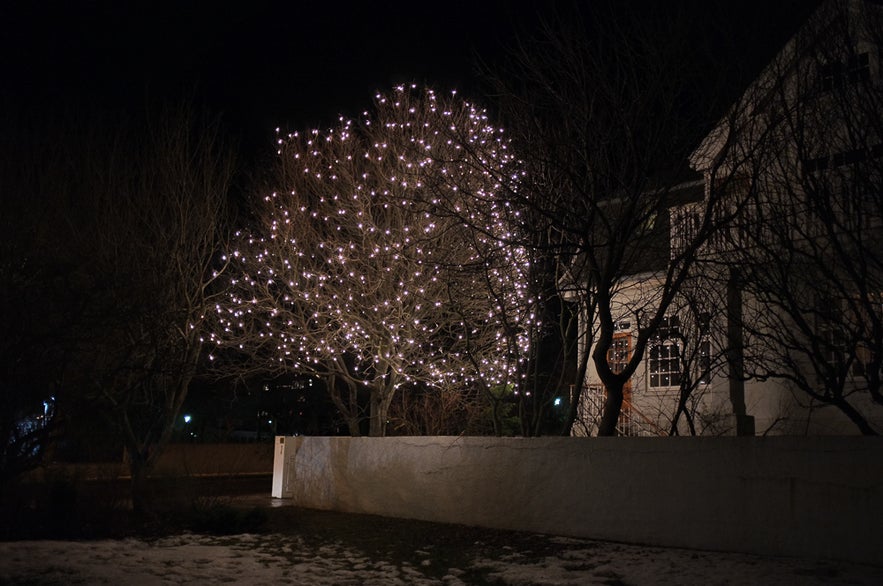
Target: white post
x=280, y=467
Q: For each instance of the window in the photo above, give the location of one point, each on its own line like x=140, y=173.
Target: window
x=857, y=205
x=665, y=362
x=830, y=76
x=669, y=328
x=841, y=158
x=830, y=333
x=665, y=365
x=618, y=357
x=858, y=68
x=620, y=352
x=852, y=182
x=686, y=222
x=815, y=164
x=836, y=74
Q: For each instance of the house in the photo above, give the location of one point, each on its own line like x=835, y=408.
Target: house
x=779, y=327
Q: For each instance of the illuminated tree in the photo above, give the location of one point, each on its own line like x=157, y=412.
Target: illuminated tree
x=351, y=273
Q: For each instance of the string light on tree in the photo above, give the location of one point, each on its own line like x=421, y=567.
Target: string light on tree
x=358, y=270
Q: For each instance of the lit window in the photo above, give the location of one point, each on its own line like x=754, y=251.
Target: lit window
x=665, y=363
x=665, y=368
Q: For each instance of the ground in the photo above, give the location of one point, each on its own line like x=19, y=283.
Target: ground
x=253, y=539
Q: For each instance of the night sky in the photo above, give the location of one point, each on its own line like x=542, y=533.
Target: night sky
x=290, y=64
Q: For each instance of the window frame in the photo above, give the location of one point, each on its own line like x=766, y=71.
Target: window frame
x=664, y=371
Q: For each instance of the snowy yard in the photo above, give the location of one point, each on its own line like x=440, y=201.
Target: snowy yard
x=309, y=547
x=279, y=559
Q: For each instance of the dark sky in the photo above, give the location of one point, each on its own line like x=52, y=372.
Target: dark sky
x=290, y=64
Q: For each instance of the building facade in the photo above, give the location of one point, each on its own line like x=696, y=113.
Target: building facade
x=779, y=329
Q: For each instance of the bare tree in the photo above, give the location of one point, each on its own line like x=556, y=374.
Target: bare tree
x=349, y=273
x=432, y=411
x=702, y=340
x=605, y=116
x=146, y=222
x=808, y=238
x=117, y=223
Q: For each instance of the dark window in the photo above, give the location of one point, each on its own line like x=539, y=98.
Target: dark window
x=836, y=74
x=855, y=156
x=669, y=328
x=858, y=68
x=830, y=76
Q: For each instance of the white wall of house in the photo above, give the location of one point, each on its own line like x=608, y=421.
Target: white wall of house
x=777, y=408
x=768, y=152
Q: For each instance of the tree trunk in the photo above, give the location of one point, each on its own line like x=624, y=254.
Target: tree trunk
x=683, y=397
x=145, y=450
x=350, y=412
x=610, y=415
x=576, y=393
x=138, y=468
x=688, y=417
x=379, y=412
x=856, y=417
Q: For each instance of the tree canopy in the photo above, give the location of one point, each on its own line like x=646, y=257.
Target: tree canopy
x=352, y=272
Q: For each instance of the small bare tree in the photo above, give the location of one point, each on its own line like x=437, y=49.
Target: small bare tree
x=146, y=220
x=432, y=411
x=109, y=275
x=349, y=273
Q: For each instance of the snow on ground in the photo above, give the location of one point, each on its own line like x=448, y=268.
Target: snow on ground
x=280, y=559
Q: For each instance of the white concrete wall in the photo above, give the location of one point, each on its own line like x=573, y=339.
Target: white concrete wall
x=812, y=496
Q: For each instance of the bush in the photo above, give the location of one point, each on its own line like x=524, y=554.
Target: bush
x=215, y=517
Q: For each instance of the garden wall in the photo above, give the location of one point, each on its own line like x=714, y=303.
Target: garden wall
x=807, y=496
x=176, y=461
x=185, y=460
x=181, y=460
